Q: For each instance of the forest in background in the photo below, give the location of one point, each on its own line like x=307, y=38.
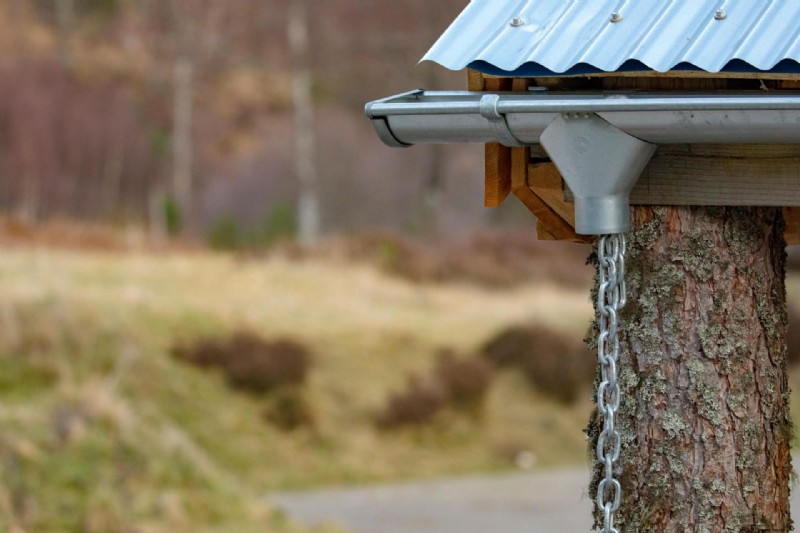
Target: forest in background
x=178, y=115
x=138, y=382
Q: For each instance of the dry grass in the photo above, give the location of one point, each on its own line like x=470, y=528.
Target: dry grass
x=107, y=423
x=100, y=419
x=493, y=259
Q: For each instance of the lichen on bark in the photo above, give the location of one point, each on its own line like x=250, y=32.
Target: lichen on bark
x=704, y=419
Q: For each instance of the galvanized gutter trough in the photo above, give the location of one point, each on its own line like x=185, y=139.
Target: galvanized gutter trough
x=600, y=141
x=461, y=116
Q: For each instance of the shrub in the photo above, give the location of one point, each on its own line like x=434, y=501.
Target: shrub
x=204, y=353
x=460, y=383
x=279, y=224
x=510, y=347
x=173, y=218
x=465, y=380
x=259, y=366
x=225, y=234
x=555, y=364
x=417, y=405
x=289, y=410
x=250, y=362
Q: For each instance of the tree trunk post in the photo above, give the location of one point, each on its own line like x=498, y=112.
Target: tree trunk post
x=704, y=417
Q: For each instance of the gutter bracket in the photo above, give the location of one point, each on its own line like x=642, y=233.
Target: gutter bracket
x=600, y=164
x=489, y=111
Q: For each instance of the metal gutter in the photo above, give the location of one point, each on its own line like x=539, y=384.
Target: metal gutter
x=600, y=141
x=428, y=117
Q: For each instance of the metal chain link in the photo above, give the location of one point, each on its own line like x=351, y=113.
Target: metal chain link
x=611, y=298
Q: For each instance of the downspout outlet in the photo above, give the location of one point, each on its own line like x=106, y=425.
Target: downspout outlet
x=600, y=164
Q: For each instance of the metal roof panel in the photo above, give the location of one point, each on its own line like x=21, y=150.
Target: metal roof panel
x=578, y=36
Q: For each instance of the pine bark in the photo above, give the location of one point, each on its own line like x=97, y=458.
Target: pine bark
x=705, y=416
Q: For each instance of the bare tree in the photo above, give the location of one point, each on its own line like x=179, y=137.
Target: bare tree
x=433, y=184
x=188, y=34
x=65, y=16
x=308, y=208
x=182, y=145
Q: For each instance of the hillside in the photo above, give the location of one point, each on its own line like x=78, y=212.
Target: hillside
x=104, y=429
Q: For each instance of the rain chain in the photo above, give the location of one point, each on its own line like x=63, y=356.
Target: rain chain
x=610, y=300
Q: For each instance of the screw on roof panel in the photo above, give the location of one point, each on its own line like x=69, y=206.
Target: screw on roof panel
x=517, y=22
x=720, y=15
x=616, y=17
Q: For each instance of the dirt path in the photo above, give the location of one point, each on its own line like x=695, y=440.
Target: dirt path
x=516, y=503
x=543, y=502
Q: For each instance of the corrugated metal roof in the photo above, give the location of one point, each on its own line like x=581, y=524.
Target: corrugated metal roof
x=578, y=36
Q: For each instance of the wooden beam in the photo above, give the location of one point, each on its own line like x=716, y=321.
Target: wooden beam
x=721, y=175
x=546, y=183
x=547, y=218
x=474, y=80
x=497, y=84
x=520, y=85
x=791, y=215
x=542, y=233
x=497, y=158
x=686, y=74
x=767, y=175
x=497, y=176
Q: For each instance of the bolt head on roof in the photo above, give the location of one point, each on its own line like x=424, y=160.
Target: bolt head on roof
x=616, y=17
x=721, y=15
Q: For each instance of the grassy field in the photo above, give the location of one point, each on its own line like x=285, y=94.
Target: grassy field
x=103, y=429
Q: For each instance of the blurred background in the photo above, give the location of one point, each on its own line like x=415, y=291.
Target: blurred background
x=217, y=283
x=179, y=116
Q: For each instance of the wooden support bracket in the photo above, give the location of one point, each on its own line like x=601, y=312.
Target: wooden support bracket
x=555, y=219
x=497, y=162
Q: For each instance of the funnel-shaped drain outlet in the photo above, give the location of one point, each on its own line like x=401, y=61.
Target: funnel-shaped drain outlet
x=601, y=164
